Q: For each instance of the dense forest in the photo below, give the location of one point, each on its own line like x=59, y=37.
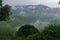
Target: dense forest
x=26, y=32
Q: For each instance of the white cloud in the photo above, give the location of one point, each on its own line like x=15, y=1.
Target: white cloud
x=33, y=2
x=13, y=7
x=37, y=23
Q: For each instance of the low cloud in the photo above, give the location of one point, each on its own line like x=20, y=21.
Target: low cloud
x=51, y=3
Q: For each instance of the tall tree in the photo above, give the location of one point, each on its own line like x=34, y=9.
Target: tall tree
x=4, y=12
x=0, y=2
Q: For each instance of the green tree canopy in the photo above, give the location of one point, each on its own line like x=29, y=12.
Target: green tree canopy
x=51, y=32
x=4, y=12
x=27, y=30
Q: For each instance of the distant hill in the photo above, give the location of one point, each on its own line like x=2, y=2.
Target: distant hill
x=38, y=15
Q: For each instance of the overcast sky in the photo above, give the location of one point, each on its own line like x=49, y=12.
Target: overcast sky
x=51, y=3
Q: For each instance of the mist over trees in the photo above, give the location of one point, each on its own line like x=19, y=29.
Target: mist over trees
x=25, y=32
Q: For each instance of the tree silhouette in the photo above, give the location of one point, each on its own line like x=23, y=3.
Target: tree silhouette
x=27, y=30
x=0, y=2
x=4, y=12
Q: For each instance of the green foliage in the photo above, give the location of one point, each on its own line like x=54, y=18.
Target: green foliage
x=4, y=12
x=27, y=30
x=36, y=36
x=51, y=32
x=6, y=29
x=0, y=2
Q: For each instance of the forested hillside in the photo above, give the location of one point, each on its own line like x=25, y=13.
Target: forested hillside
x=29, y=22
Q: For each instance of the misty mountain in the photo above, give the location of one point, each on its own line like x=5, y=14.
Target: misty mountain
x=38, y=15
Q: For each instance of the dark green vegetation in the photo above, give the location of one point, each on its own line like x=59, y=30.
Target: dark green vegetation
x=26, y=32
x=4, y=12
x=29, y=32
x=0, y=2
x=51, y=32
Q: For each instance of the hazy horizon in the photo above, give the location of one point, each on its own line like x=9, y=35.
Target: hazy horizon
x=50, y=3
